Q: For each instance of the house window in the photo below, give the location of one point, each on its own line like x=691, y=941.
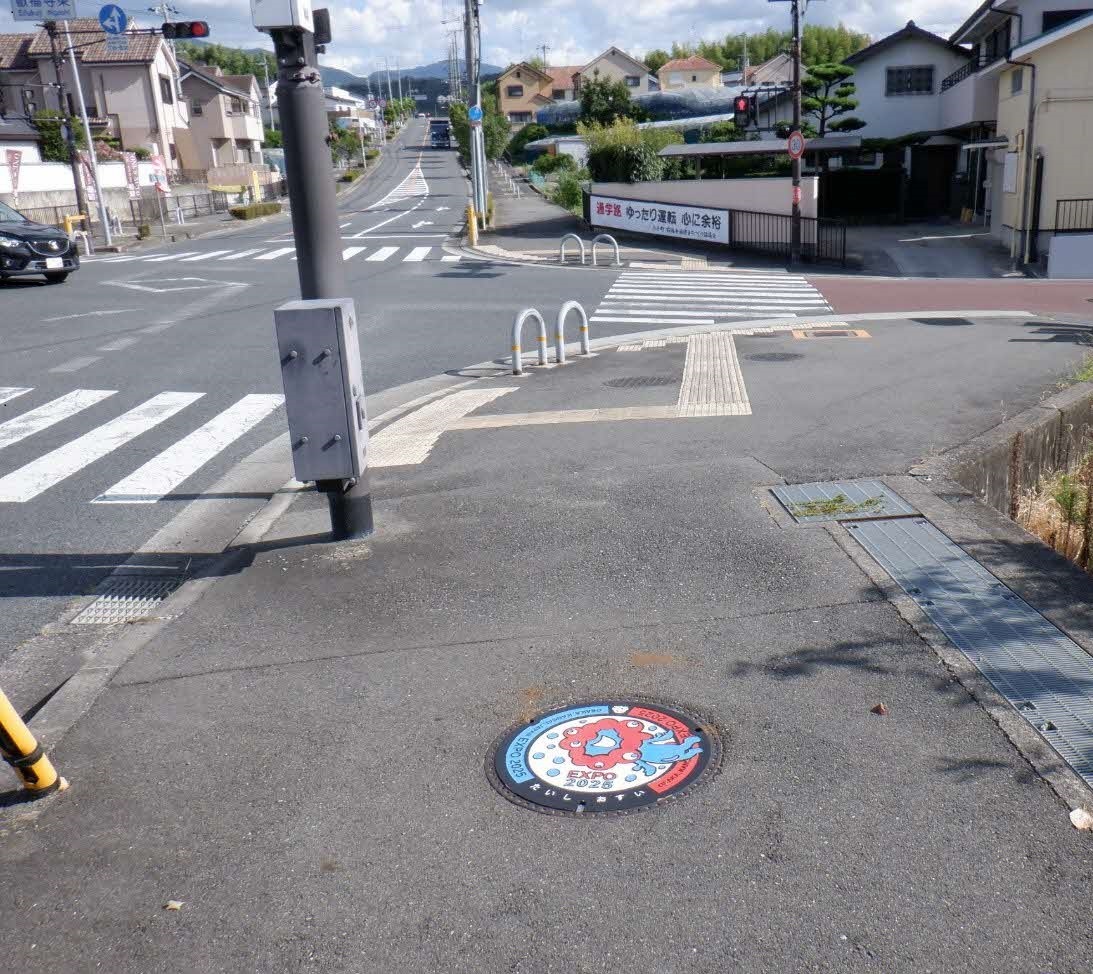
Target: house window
x=196, y=108
x=514, y=91
x=237, y=107
x=633, y=81
x=1056, y=18
x=1016, y=80
x=558, y=94
x=694, y=77
x=519, y=118
x=166, y=91
x=912, y=80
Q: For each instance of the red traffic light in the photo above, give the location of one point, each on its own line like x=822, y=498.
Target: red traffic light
x=183, y=30
x=740, y=105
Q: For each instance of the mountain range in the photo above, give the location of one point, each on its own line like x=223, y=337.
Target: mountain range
x=437, y=71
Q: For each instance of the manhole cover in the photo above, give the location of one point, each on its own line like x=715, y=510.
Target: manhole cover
x=606, y=757
x=773, y=356
x=643, y=381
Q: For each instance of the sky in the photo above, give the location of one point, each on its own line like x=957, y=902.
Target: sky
x=413, y=32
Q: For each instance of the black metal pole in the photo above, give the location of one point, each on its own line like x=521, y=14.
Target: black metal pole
x=795, y=230
x=310, y=175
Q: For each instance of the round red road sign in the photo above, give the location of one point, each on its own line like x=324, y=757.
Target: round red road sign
x=796, y=145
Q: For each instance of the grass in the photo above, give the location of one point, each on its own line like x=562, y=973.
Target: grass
x=1060, y=513
x=834, y=506
x=1085, y=372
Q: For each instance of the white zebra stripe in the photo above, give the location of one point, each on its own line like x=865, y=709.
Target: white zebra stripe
x=352, y=252
x=8, y=393
x=39, y=475
x=417, y=255
x=274, y=254
x=27, y=424
x=162, y=474
x=382, y=254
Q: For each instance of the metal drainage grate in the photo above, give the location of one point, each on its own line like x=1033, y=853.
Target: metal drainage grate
x=1045, y=675
x=845, y=500
x=124, y=598
x=830, y=333
x=643, y=381
x=773, y=356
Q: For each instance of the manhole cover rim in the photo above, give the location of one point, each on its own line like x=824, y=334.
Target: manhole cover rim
x=643, y=381
x=698, y=721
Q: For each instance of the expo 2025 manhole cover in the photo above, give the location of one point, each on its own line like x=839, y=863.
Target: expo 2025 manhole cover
x=603, y=757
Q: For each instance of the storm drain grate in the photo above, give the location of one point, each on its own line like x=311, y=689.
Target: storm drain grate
x=124, y=598
x=845, y=500
x=1046, y=676
x=643, y=381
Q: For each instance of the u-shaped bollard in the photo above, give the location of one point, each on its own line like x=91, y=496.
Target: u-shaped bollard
x=559, y=333
x=565, y=240
x=517, y=328
x=606, y=238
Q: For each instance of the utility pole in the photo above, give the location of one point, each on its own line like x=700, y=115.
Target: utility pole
x=269, y=102
x=92, y=155
x=795, y=229
x=66, y=123
x=398, y=72
x=318, y=340
x=545, y=48
x=473, y=41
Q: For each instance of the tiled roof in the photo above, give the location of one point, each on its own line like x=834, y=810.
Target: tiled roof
x=694, y=63
x=563, y=77
x=13, y=52
x=231, y=82
x=240, y=81
x=89, y=39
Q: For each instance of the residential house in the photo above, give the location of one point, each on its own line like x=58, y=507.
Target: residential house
x=689, y=72
x=19, y=94
x=522, y=90
x=132, y=95
x=897, y=83
x=347, y=111
x=563, y=86
x=616, y=65
x=225, y=119
x=971, y=95
x=1045, y=116
x=777, y=70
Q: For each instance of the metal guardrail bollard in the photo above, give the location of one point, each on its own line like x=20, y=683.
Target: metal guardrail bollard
x=20, y=749
x=85, y=238
x=559, y=331
x=517, y=328
x=561, y=248
x=606, y=238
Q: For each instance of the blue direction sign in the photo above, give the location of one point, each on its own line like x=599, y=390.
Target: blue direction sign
x=113, y=19
x=475, y=114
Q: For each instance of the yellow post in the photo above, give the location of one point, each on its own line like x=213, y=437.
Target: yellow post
x=472, y=224
x=73, y=218
x=23, y=753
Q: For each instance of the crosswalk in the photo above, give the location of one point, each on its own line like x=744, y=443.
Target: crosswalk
x=405, y=255
x=154, y=479
x=684, y=298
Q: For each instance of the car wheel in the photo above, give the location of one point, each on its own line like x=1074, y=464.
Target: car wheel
x=57, y=278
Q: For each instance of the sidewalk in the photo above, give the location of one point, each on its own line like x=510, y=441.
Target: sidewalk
x=942, y=250
x=299, y=758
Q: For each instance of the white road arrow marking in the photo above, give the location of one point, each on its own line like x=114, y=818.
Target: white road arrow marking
x=91, y=314
x=441, y=209
x=423, y=223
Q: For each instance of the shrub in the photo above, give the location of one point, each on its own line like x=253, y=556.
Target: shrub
x=529, y=133
x=254, y=210
x=371, y=154
x=624, y=153
x=568, y=192
x=349, y=175
x=142, y=153
x=548, y=164
x=144, y=231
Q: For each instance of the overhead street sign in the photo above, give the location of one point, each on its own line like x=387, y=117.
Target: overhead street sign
x=113, y=19
x=796, y=145
x=41, y=10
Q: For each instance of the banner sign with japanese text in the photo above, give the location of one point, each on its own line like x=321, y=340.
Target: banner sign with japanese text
x=132, y=174
x=680, y=220
x=15, y=159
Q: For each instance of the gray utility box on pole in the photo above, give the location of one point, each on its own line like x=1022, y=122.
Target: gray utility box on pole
x=324, y=388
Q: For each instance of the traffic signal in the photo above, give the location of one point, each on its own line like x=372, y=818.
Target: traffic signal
x=184, y=30
x=741, y=107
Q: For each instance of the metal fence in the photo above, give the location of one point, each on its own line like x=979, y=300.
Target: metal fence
x=1073, y=216
x=822, y=238
x=51, y=216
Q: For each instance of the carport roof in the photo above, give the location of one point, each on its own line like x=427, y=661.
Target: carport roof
x=765, y=147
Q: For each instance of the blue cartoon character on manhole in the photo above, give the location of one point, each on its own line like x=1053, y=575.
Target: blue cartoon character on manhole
x=600, y=757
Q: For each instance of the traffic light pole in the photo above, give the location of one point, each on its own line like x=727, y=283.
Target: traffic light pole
x=795, y=228
x=310, y=174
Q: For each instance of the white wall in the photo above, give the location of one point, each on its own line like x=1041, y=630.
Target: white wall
x=53, y=177
x=29, y=150
x=1071, y=256
x=888, y=117
x=763, y=195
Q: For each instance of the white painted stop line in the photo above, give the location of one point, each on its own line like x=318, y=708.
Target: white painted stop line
x=29, y=481
x=162, y=474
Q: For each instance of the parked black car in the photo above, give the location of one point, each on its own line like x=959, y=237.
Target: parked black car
x=28, y=248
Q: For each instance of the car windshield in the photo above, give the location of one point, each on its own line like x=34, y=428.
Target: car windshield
x=8, y=215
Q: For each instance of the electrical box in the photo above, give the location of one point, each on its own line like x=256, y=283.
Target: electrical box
x=324, y=388
x=282, y=14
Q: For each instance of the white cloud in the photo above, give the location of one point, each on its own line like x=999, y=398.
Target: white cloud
x=413, y=32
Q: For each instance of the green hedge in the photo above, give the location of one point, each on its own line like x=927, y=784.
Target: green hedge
x=371, y=154
x=547, y=163
x=349, y=175
x=253, y=210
